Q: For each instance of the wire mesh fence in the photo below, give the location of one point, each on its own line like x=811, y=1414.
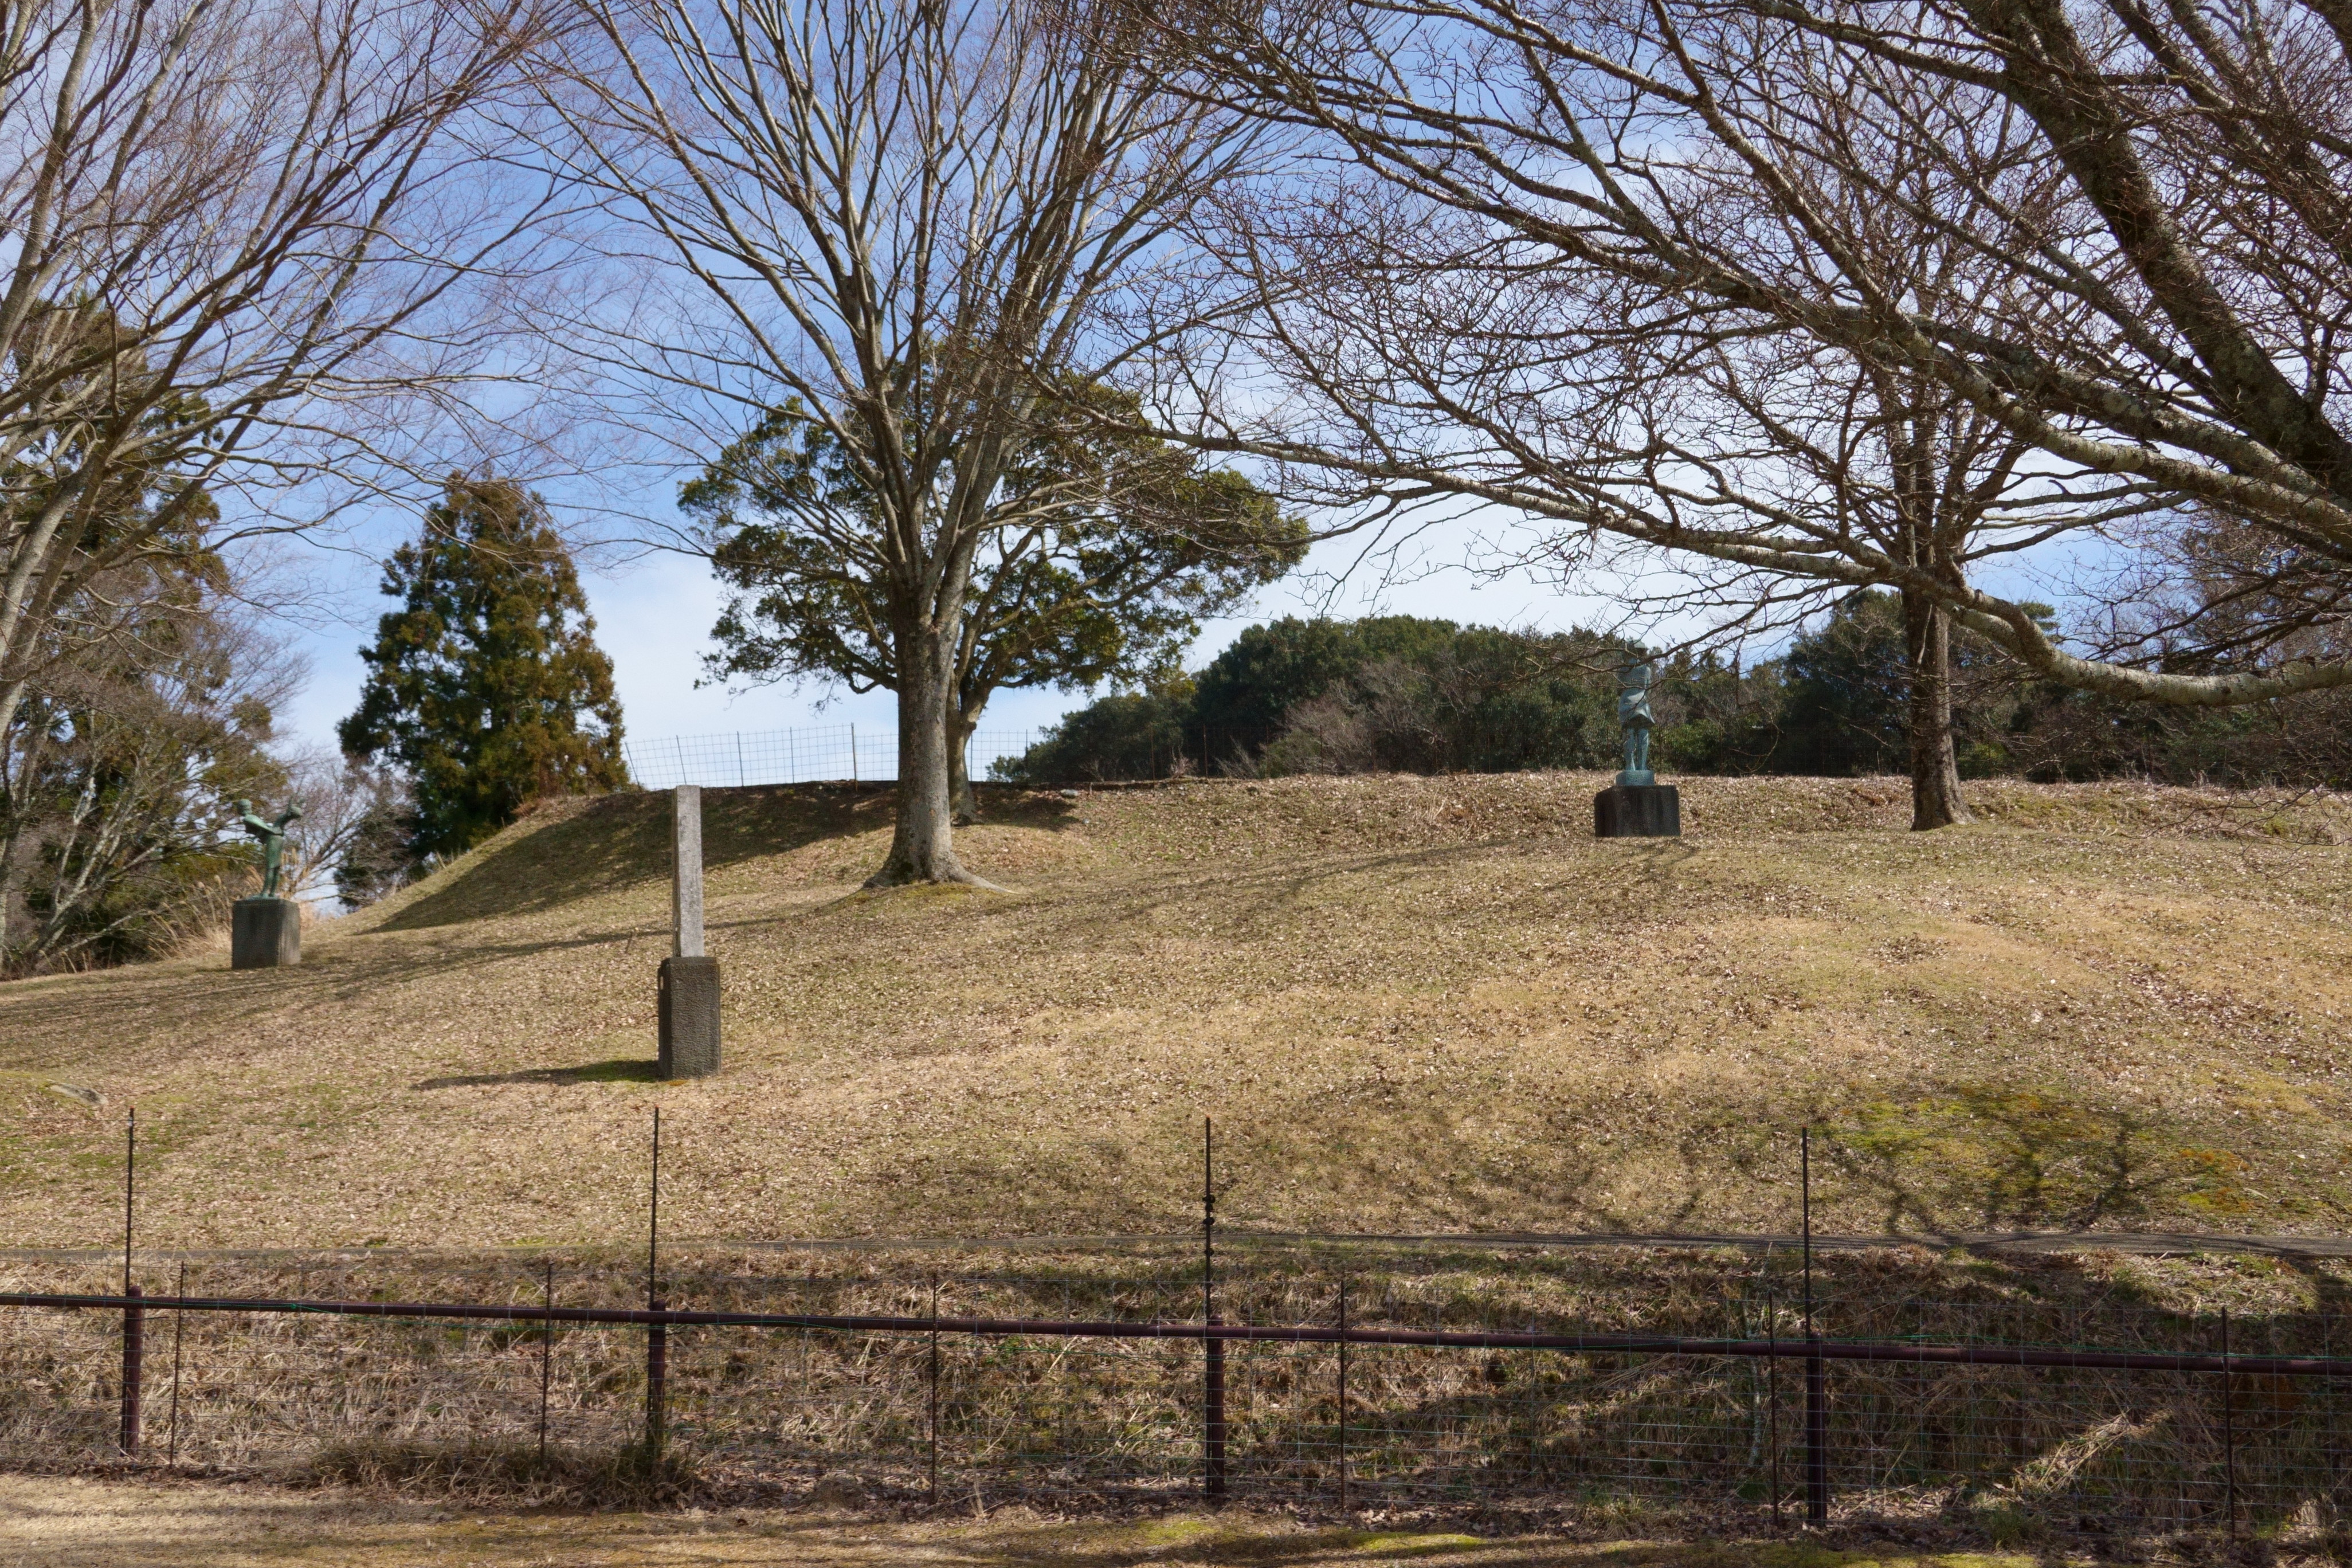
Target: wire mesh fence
x=818, y=754
x=1086, y=1381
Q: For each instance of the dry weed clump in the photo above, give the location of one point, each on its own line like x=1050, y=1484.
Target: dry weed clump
x=469, y=1471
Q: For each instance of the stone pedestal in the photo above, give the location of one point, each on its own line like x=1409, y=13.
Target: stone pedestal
x=265, y=934
x=689, y=1017
x=1637, y=811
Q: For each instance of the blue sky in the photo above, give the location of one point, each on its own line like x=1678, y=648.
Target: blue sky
x=654, y=613
x=654, y=616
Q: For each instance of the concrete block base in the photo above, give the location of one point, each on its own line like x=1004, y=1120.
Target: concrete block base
x=689, y=1017
x=1637, y=811
x=265, y=934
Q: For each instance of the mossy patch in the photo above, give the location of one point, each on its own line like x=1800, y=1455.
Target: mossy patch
x=1397, y=1544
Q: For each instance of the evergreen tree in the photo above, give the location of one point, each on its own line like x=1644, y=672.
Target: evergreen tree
x=1847, y=707
x=486, y=686
x=1106, y=550
x=1845, y=714
x=1246, y=695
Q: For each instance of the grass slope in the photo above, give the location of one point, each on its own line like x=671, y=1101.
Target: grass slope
x=1411, y=1004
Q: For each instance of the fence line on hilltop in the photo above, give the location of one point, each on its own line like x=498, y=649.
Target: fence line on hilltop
x=824, y=754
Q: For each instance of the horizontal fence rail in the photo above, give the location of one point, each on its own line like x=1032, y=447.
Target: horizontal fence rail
x=1642, y=1391
x=1062, y=1328
x=1350, y=1391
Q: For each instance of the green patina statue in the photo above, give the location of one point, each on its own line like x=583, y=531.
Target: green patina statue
x=273, y=842
x=1633, y=713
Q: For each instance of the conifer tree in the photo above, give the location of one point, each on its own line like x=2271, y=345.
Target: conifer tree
x=486, y=686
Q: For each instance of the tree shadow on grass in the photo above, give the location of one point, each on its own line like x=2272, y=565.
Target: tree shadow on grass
x=622, y=840
x=620, y=1069
x=58, y=1023
x=1991, y=1156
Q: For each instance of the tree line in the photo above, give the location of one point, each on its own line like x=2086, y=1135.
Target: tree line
x=1404, y=694
x=991, y=343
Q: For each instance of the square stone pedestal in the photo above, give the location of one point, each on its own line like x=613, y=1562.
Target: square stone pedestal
x=264, y=934
x=689, y=1017
x=1637, y=811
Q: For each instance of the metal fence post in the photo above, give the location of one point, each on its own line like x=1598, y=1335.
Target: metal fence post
x=657, y=1385
x=1817, y=1383
x=546, y=1361
x=134, y=1366
x=1212, y=1347
x=935, y=1392
x=656, y=1334
x=1772, y=1386
x=2228, y=1439
x=134, y=1318
x=1343, y=1394
x=1214, y=1427
x=179, y=1328
x=1817, y=1435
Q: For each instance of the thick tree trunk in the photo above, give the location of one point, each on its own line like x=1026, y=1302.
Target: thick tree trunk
x=963, y=801
x=1935, y=800
x=922, y=847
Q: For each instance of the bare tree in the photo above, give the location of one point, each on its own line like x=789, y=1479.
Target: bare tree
x=907, y=222
x=1764, y=430
x=344, y=803
x=243, y=245
x=116, y=835
x=1541, y=224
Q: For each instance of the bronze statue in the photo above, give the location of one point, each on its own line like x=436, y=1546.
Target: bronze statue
x=273, y=841
x=1633, y=713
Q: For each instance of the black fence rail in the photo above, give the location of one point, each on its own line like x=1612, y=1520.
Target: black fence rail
x=1377, y=1394
x=1642, y=1389
x=136, y=1305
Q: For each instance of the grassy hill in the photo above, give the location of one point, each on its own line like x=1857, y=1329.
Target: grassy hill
x=1412, y=1005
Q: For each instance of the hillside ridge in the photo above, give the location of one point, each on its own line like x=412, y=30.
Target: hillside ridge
x=1414, y=1004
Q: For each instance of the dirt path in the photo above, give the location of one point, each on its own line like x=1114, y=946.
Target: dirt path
x=74, y=1523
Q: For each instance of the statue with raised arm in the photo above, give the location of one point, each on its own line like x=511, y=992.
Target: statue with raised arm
x=1633, y=713
x=273, y=842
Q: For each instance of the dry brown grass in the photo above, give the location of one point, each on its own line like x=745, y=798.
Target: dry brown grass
x=1411, y=1004
x=77, y=1523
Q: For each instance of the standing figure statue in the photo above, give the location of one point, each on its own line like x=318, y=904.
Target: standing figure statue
x=273, y=842
x=1633, y=713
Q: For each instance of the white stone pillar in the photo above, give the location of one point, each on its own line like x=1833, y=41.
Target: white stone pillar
x=685, y=872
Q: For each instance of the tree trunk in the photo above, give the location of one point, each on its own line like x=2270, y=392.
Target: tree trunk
x=15, y=777
x=1935, y=800
x=963, y=801
x=922, y=847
